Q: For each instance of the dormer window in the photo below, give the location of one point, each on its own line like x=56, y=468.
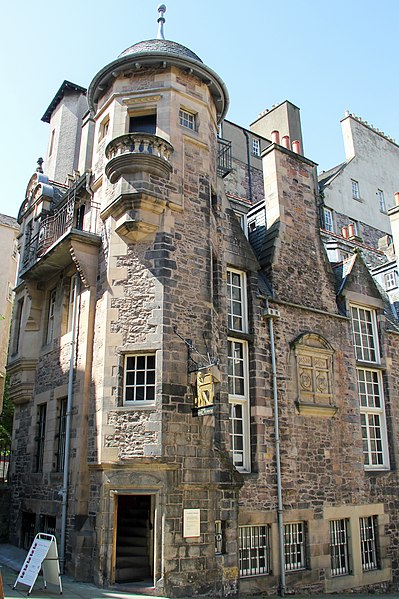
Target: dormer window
x=391, y=280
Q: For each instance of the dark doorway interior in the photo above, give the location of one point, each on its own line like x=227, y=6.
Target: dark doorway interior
x=134, y=539
x=143, y=124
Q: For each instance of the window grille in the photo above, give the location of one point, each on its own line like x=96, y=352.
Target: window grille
x=48, y=524
x=368, y=543
x=254, y=550
x=40, y=439
x=18, y=325
x=339, y=547
x=294, y=546
x=61, y=435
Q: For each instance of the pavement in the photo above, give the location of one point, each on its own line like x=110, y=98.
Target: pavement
x=12, y=558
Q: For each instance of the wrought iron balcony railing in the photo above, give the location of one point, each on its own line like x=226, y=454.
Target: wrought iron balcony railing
x=224, y=161
x=53, y=226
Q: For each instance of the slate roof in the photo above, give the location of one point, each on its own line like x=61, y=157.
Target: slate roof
x=266, y=244
x=161, y=46
x=342, y=271
x=326, y=177
x=66, y=85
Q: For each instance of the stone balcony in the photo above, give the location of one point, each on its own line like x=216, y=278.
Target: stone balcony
x=138, y=153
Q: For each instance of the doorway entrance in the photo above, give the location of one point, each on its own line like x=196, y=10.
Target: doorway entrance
x=134, y=539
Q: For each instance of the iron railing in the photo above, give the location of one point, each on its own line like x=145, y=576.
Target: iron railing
x=53, y=227
x=224, y=161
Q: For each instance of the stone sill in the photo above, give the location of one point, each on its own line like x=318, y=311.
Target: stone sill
x=312, y=409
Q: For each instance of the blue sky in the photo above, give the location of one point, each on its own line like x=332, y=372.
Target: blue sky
x=324, y=56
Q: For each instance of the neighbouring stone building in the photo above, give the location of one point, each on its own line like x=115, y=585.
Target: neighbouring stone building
x=360, y=190
x=8, y=271
x=200, y=406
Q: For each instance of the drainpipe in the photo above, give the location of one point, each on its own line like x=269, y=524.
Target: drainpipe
x=64, y=490
x=271, y=313
x=249, y=164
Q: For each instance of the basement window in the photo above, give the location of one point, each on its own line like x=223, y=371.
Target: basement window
x=254, y=550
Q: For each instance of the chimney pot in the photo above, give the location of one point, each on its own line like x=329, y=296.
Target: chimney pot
x=345, y=232
x=276, y=137
x=351, y=229
x=397, y=198
x=286, y=142
x=296, y=146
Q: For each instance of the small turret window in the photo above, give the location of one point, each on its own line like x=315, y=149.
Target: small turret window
x=187, y=119
x=104, y=128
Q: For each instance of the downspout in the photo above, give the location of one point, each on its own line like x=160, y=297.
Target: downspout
x=64, y=490
x=249, y=164
x=271, y=314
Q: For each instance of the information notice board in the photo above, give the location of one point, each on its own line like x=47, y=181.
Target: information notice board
x=42, y=555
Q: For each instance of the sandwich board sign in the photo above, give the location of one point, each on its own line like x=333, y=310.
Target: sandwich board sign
x=42, y=555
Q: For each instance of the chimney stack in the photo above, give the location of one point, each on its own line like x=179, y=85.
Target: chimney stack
x=296, y=146
x=276, y=137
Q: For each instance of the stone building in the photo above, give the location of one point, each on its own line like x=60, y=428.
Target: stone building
x=360, y=190
x=198, y=408
x=8, y=271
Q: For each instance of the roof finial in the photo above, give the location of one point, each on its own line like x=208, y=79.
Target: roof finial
x=161, y=21
x=40, y=167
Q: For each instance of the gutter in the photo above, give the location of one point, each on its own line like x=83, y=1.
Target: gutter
x=249, y=164
x=64, y=491
x=271, y=314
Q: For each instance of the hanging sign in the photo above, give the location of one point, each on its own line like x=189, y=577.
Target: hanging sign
x=42, y=555
x=204, y=395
